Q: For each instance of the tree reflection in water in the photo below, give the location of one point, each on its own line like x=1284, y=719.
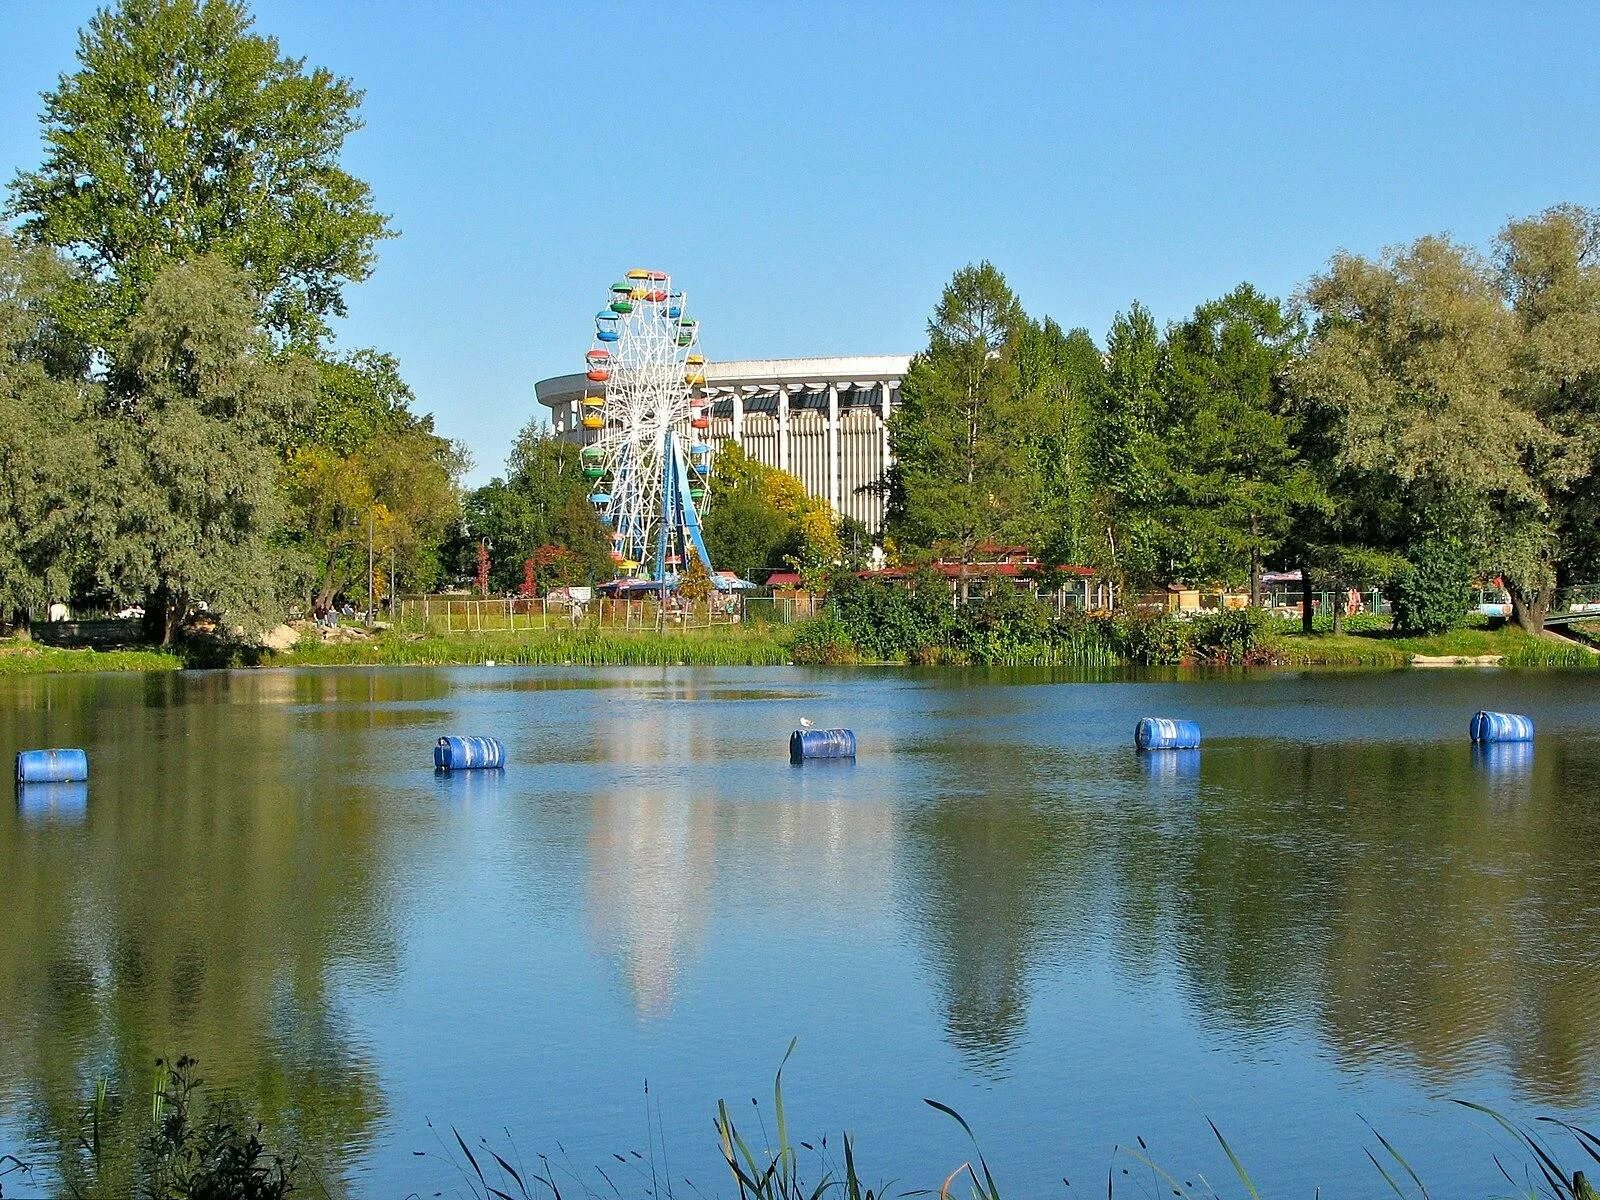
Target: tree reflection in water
x=1409, y=903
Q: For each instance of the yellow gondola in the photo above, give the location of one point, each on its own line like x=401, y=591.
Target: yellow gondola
x=695, y=360
x=593, y=401
x=593, y=421
x=695, y=379
x=638, y=273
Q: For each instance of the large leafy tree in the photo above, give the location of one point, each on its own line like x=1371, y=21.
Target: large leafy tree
x=1410, y=370
x=1234, y=468
x=45, y=448
x=186, y=504
x=964, y=472
x=183, y=133
x=1550, y=272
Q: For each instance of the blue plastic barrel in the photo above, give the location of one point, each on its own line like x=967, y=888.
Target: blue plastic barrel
x=1163, y=733
x=1501, y=727
x=52, y=766
x=469, y=754
x=821, y=743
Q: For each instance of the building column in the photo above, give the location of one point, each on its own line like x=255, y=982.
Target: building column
x=783, y=430
x=833, y=447
x=738, y=417
x=883, y=408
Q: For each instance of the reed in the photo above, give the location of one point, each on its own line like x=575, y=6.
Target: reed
x=590, y=647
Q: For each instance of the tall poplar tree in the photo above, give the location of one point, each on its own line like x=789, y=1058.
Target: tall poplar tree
x=1126, y=445
x=185, y=133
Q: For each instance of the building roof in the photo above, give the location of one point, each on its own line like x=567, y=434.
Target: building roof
x=759, y=375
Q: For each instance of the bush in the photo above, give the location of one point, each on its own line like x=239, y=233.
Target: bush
x=823, y=641
x=1431, y=594
x=1151, y=639
x=1233, y=635
x=1005, y=624
x=886, y=620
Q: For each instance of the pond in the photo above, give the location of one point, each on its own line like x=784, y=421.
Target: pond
x=1334, y=913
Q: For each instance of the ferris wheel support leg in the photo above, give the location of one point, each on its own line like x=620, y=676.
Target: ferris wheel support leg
x=691, y=515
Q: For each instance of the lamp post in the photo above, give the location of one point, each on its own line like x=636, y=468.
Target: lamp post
x=369, y=566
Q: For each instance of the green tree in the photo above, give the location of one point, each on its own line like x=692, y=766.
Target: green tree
x=964, y=474
x=1060, y=376
x=760, y=518
x=542, y=501
x=185, y=133
x=1125, y=445
x=186, y=505
x=1234, y=468
x=46, y=454
x=396, y=496
x=1550, y=274
x=1408, y=378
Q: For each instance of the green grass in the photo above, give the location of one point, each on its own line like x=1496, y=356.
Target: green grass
x=30, y=658
x=1381, y=648
x=697, y=648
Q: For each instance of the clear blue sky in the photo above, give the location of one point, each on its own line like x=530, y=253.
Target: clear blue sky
x=812, y=174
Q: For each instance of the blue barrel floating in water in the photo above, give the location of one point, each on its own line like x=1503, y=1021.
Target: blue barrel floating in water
x=52, y=766
x=821, y=743
x=469, y=754
x=1501, y=727
x=1163, y=733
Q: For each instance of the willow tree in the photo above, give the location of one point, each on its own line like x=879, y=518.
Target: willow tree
x=45, y=453
x=1411, y=368
x=1550, y=273
x=964, y=472
x=183, y=133
x=186, y=507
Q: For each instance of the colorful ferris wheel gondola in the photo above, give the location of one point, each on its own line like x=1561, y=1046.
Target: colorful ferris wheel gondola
x=605, y=325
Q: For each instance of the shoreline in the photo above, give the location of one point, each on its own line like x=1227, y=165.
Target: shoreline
x=1504, y=648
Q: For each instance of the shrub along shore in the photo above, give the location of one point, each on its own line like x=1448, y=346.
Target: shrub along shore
x=991, y=631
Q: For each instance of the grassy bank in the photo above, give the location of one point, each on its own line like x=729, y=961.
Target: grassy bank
x=1381, y=648
x=818, y=642
x=30, y=658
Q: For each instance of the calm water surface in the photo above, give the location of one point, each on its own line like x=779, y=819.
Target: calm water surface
x=1335, y=911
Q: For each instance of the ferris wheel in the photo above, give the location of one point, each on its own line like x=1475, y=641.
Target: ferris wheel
x=645, y=419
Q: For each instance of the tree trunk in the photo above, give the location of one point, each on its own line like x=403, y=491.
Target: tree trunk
x=163, y=615
x=1308, y=602
x=1529, y=609
x=1337, y=604
x=22, y=623
x=1255, y=561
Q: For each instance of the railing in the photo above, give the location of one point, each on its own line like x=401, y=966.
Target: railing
x=462, y=614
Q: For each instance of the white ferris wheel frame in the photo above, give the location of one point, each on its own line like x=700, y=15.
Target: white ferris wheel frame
x=648, y=406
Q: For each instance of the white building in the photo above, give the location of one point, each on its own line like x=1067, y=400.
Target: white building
x=824, y=420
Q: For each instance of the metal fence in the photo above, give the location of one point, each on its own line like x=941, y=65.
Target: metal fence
x=463, y=614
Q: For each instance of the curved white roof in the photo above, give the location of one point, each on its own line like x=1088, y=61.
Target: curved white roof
x=756, y=375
